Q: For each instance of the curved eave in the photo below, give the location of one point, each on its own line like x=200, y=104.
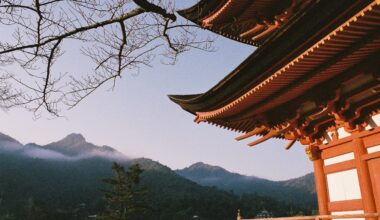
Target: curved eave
x=233, y=37
x=179, y=99
x=200, y=10
x=346, y=53
x=204, y=9
x=273, y=54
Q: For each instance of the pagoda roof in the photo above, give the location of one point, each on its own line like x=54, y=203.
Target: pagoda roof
x=307, y=28
x=326, y=42
x=248, y=21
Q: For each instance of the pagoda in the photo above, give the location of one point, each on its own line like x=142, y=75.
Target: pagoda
x=314, y=79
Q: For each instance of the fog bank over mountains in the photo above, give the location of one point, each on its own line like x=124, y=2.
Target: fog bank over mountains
x=74, y=152
x=72, y=147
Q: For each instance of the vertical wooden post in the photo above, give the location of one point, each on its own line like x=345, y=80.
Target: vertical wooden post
x=321, y=187
x=314, y=154
x=366, y=190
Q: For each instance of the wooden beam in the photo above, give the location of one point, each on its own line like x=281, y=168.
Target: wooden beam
x=346, y=205
x=339, y=167
x=255, y=131
x=270, y=134
x=290, y=144
x=364, y=177
x=271, y=28
x=371, y=156
x=257, y=28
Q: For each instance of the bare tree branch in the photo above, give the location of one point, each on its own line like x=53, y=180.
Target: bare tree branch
x=117, y=37
x=149, y=7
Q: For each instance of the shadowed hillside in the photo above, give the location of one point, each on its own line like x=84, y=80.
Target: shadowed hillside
x=300, y=191
x=62, y=180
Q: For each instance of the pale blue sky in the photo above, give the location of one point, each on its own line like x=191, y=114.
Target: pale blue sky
x=138, y=119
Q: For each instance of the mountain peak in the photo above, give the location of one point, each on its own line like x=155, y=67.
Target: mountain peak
x=204, y=166
x=72, y=145
x=76, y=145
x=73, y=139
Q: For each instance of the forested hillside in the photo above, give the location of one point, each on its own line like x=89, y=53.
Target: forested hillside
x=300, y=191
x=66, y=184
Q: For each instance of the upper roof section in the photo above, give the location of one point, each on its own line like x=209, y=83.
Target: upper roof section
x=247, y=21
x=300, y=33
x=319, y=72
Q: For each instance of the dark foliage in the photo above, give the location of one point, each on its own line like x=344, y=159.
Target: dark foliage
x=124, y=199
x=69, y=190
x=299, y=191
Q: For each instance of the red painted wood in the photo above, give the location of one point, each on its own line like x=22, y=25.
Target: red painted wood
x=366, y=190
x=374, y=169
x=339, y=167
x=347, y=205
x=321, y=187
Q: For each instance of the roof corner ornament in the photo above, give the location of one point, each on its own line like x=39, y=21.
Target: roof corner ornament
x=198, y=119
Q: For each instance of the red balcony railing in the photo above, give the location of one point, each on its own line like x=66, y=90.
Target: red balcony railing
x=318, y=217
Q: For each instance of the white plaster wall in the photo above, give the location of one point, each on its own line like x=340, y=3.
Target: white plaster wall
x=338, y=159
x=373, y=149
x=342, y=133
x=376, y=119
x=374, y=123
x=343, y=185
x=349, y=212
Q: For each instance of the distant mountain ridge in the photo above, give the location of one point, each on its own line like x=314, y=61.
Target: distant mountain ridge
x=8, y=143
x=299, y=190
x=70, y=171
x=72, y=147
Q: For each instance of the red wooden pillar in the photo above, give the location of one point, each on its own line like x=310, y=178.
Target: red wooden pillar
x=321, y=187
x=314, y=155
x=369, y=205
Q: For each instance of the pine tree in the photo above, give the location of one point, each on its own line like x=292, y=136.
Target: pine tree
x=124, y=199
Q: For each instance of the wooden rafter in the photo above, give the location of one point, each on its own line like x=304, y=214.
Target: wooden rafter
x=272, y=133
x=256, y=131
x=290, y=144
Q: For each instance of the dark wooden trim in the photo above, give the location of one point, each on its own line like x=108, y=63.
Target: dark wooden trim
x=339, y=167
x=346, y=205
